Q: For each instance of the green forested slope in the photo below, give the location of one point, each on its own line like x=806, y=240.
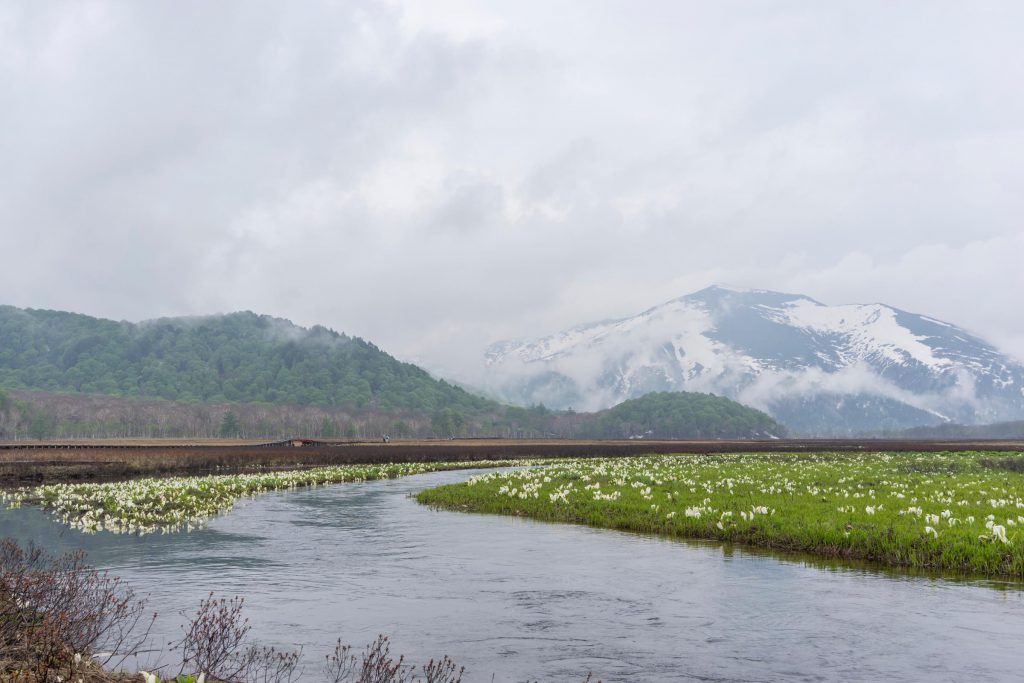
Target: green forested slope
x=240, y=357
x=344, y=384
x=681, y=415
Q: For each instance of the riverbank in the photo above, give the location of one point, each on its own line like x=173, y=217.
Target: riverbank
x=175, y=503
x=953, y=512
x=537, y=601
x=62, y=620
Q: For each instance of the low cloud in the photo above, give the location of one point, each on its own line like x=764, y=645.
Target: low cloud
x=957, y=402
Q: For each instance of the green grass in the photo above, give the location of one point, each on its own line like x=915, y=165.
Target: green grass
x=961, y=512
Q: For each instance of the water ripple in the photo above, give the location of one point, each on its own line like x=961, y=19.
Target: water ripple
x=526, y=600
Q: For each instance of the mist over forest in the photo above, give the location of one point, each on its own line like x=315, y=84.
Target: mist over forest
x=255, y=377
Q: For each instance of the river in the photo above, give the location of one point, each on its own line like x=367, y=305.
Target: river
x=524, y=600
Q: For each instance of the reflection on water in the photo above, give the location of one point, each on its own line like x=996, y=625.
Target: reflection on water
x=550, y=602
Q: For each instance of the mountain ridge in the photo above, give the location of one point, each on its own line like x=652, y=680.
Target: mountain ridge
x=234, y=357
x=818, y=369
x=248, y=375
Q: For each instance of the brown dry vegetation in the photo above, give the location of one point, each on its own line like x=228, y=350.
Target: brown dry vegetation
x=61, y=620
x=52, y=608
x=106, y=461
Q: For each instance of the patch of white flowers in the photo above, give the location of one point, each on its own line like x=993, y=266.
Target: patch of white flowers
x=184, y=503
x=724, y=495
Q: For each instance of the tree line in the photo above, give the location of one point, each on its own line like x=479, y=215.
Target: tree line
x=36, y=415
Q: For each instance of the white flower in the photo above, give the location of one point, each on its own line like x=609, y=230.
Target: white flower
x=930, y=530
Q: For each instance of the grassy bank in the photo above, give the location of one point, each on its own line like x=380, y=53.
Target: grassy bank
x=958, y=512
x=175, y=503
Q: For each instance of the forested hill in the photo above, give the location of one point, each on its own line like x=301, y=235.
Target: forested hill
x=238, y=358
x=681, y=415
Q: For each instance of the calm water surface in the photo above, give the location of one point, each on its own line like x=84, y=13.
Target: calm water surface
x=527, y=600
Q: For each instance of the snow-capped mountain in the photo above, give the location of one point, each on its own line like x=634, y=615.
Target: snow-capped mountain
x=816, y=368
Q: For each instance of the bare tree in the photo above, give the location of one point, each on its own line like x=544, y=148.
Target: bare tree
x=375, y=665
x=52, y=609
x=216, y=642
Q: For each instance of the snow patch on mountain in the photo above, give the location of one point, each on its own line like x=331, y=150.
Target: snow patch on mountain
x=867, y=329
x=856, y=365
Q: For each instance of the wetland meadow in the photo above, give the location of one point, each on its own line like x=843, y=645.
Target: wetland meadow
x=763, y=566
x=958, y=512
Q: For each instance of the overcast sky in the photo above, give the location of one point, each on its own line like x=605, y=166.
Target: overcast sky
x=435, y=176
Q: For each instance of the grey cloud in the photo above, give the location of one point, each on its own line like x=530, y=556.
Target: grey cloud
x=437, y=179
x=469, y=206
